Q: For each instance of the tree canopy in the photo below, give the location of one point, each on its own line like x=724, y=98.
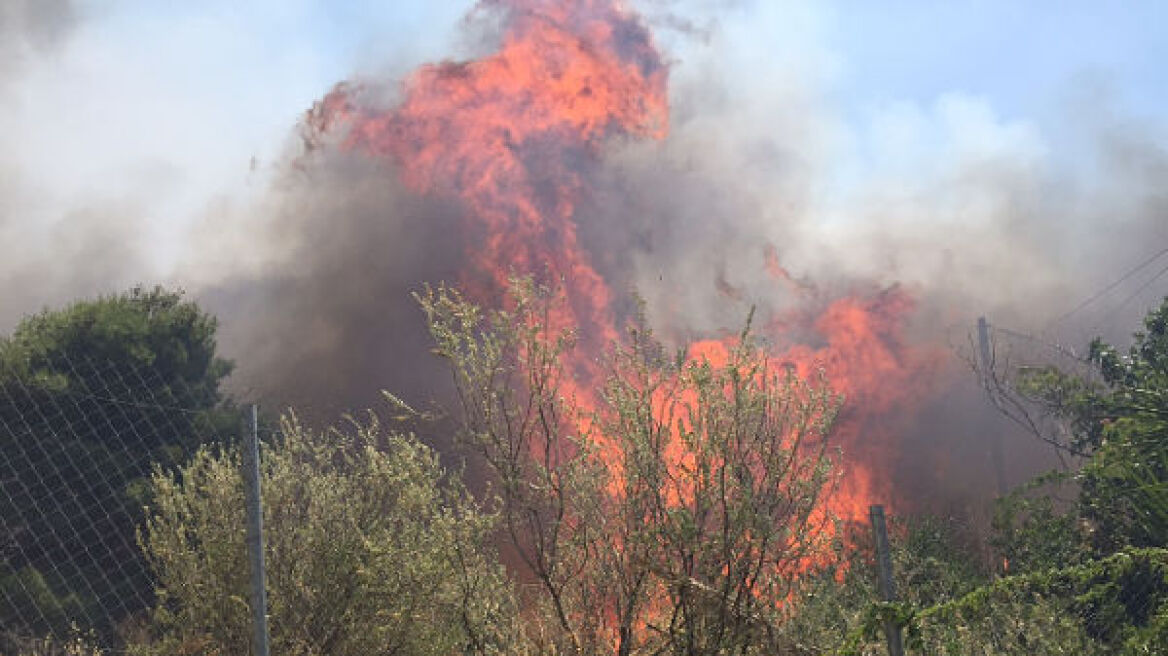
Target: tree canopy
x=667, y=512
x=371, y=549
x=91, y=396
x=1116, y=420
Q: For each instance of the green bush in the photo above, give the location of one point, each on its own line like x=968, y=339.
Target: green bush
x=76, y=646
x=661, y=503
x=371, y=549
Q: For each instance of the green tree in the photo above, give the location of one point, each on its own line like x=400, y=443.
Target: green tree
x=90, y=397
x=1087, y=568
x=664, y=509
x=1037, y=526
x=1087, y=565
x=1117, y=421
x=934, y=561
x=370, y=547
x=1125, y=484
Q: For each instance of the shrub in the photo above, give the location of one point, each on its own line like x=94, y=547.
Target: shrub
x=371, y=549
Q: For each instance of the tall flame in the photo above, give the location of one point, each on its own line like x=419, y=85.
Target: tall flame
x=514, y=136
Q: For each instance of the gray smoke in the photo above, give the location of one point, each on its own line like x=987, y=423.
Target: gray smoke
x=328, y=320
x=971, y=213
x=52, y=249
x=986, y=222
x=989, y=225
x=32, y=28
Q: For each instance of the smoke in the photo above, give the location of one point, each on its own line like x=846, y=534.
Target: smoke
x=323, y=319
x=31, y=28
x=51, y=249
x=975, y=213
x=968, y=210
x=121, y=122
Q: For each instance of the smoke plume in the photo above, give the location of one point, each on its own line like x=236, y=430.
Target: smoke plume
x=762, y=192
x=51, y=249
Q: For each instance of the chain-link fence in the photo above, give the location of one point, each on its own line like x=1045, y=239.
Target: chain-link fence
x=950, y=603
x=79, y=440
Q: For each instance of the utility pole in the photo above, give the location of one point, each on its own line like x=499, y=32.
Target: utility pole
x=997, y=455
x=886, y=585
x=255, y=533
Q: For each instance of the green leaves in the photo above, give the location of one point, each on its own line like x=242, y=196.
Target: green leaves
x=1087, y=568
x=1116, y=419
x=660, y=505
x=371, y=549
x=91, y=397
x=148, y=328
x=1125, y=483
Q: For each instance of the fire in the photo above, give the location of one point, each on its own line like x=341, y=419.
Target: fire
x=513, y=135
x=516, y=135
x=778, y=272
x=866, y=359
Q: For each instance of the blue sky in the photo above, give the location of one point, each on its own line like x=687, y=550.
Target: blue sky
x=160, y=107
x=1022, y=55
x=1024, y=58
x=245, y=71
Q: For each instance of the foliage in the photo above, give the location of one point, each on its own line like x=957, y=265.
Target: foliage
x=662, y=507
x=370, y=547
x=1074, y=399
x=1115, y=605
x=75, y=646
x=1036, y=529
x=90, y=396
x=1085, y=548
x=934, y=561
x=152, y=329
x=1119, y=422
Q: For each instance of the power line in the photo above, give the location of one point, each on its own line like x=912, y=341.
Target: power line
x=1142, y=287
x=1041, y=341
x=1097, y=295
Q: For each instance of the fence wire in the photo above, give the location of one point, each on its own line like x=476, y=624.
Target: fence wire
x=78, y=442
x=80, y=438
x=950, y=604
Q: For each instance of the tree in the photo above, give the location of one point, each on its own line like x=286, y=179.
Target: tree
x=1125, y=484
x=90, y=397
x=664, y=510
x=1088, y=568
x=934, y=561
x=1116, y=419
x=371, y=549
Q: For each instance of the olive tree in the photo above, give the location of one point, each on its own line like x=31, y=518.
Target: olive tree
x=371, y=548
x=660, y=503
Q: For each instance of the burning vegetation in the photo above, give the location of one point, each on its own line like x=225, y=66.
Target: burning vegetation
x=517, y=138
x=638, y=482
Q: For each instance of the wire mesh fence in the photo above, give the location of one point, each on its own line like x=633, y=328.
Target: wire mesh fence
x=79, y=439
x=956, y=600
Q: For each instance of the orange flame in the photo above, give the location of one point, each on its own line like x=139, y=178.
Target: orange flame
x=514, y=136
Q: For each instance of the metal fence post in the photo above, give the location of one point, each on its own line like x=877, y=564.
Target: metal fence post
x=887, y=587
x=255, y=533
